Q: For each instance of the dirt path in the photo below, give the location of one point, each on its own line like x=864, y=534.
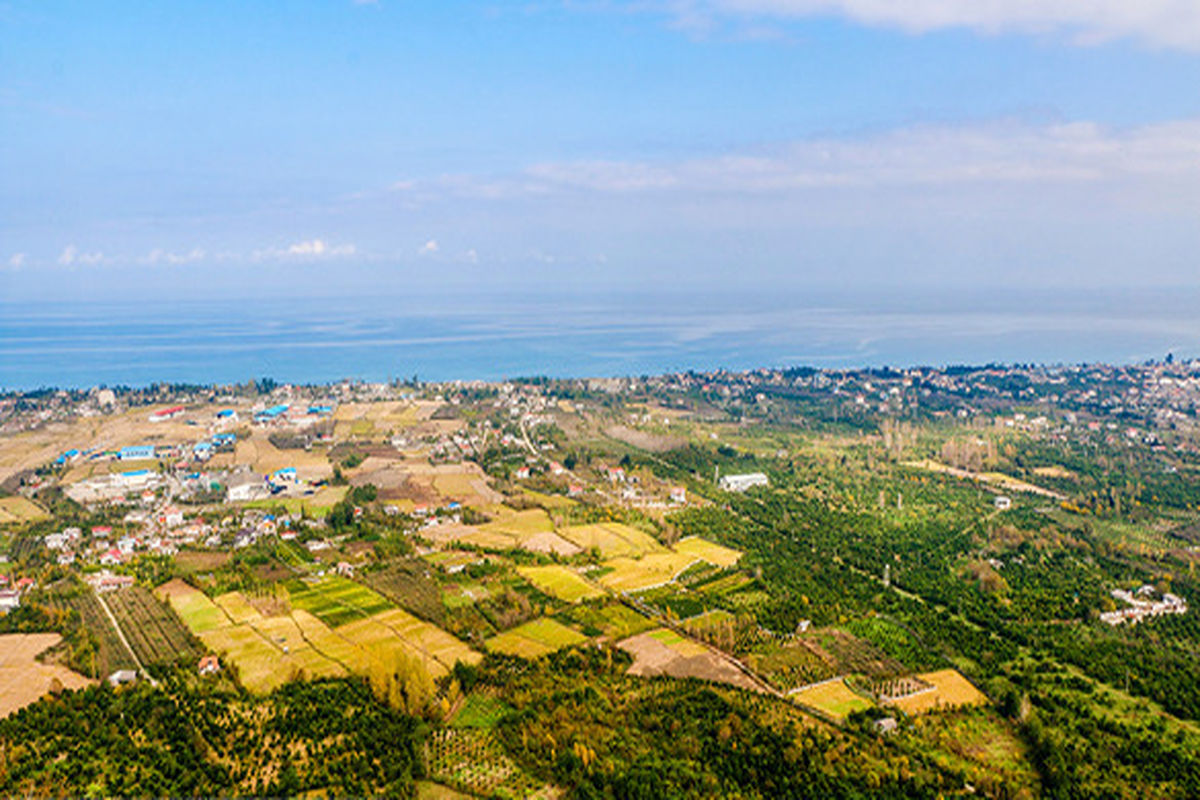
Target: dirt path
x=124, y=641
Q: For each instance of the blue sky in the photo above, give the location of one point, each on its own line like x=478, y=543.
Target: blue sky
x=235, y=148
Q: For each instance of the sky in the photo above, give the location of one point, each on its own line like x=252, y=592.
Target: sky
x=238, y=149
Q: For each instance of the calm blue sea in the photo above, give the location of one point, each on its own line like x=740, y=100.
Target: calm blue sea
x=437, y=337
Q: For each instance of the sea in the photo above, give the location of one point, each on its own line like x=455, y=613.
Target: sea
x=491, y=336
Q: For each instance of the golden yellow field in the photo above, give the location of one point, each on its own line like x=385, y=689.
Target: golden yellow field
x=535, y=638
x=23, y=679
x=399, y=630
x=833, y=697
x=612, y=539
x=20, y=509
x=637, y=574
x=267, y=651
x=951, y=690
x=561, y=582
x=705, y=550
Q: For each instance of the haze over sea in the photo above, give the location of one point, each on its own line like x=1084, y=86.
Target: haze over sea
x=80, y=343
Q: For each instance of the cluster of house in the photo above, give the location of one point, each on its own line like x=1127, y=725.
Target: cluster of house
x=1141, y=605
x=11, y=591
x=162, y=532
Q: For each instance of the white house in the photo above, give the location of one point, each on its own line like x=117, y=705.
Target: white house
x=740, y=483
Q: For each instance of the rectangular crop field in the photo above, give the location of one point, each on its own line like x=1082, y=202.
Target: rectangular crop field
x=335, y=600
x=561, y=582
x=612, y=539
x=951, y=690
x=23, y=679
x=20, y=509
x=535, y=638
x=638, y=574
x=833, y=697
x=155, y=632
x=707, y=551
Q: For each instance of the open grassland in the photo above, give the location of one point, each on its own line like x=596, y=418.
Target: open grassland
x=535, y=638
x=316, y=504
x=833, y=697
x=612, y=539
x=638, y=574
x=950, y=690
x=480, y=710
x=707, y=551
x=154, y=631
x=23, y=679
x=19, y=509
x=560, y=582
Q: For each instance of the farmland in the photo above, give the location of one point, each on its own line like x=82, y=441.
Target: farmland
x=612, y=539
x=949, y=690
x=23, y=679
x=833, y=698
x=335, y=600
x=560, y=582
x=536, y=638
x=19, y=509
x=638, y=574
x=154, y=631
x=267, y=651
x=109, y=654
x=271, y=650
x=665, y=652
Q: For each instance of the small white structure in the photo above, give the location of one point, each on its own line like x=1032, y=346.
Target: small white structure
x=9, y=599
x=121, y=677
x=1002, y=503
x=740, y=483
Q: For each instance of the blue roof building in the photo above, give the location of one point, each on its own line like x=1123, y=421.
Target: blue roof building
x=136, y=452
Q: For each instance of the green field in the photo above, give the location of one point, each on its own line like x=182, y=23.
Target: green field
x=335, y=600
x=480, y=711
x=560, y=582
x=535, y=638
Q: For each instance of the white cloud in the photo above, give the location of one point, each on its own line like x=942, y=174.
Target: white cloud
x=989, y=154
x=71, y=256
x=1161, y=23
x=429, y=248
x=158, y=256
x=16, y=260
x=309, y=249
